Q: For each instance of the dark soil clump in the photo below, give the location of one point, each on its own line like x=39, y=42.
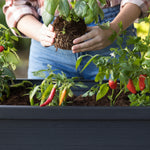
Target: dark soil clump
x=66, y=32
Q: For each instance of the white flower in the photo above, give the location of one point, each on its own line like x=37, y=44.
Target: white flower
x=112, y=54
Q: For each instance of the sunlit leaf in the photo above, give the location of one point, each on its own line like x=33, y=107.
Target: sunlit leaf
x=102, y=91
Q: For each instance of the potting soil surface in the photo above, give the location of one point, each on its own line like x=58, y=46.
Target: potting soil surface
x=20, y=96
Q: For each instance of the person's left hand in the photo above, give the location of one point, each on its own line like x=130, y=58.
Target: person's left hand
x=95, y=39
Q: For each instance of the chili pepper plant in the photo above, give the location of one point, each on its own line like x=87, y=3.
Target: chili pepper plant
x=8, y=59
x=70, y=21
x=53, y=89
x=126, y=69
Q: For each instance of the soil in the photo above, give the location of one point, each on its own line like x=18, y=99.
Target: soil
x=19, y=96
x=122, y=100
x=66, y=32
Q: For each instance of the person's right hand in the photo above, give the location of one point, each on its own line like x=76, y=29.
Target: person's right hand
x=48, y=35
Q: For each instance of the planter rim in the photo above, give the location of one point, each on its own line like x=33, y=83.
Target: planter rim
x=74, y=112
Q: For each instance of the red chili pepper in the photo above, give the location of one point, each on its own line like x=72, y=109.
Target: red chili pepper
x=131, y=86
x=50, y=98
x=142, y=82
x=112, y=84
x=63, y=94
x=1, y=48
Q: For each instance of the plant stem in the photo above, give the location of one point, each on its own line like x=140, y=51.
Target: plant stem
x=111, y=100
x=117, y=95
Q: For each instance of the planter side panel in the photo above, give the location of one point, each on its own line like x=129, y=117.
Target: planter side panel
x=74, y=134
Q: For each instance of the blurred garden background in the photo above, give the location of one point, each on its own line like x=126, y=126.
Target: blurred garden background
x=23, y=44
x=22, y=47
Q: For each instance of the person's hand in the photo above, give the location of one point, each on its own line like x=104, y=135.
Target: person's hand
x=47, y=35
x=95, y=39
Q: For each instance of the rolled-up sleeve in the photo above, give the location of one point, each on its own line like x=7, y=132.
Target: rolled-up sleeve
x=14, y=10
x=143, y=4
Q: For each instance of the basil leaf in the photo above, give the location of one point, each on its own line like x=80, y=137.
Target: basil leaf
x=64, y=8
x=81, y=8
x=47, y=18
x=49, y=11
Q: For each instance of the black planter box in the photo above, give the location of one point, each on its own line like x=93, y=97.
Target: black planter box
x=74, y=128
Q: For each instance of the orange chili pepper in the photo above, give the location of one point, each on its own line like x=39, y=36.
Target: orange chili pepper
x=63, y=94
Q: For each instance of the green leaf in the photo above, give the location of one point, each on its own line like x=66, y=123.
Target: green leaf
x=18, y=33
x=113, y=36
x=88, y=93
x=2, y=26
x=93, y=6
x=102, y=91
x=103, y=2
x=39, y=74
x=107, y=74
x=89, y=17
x=8, y=72
x=70, y=93
x=119, y=41
x=15, y=54
x=64, y=8
x=49, y=11
x=7, y=35
x=15, y=38
x=96, y=10
x=32, y=93
x=93, y=57
x=120, y=26
x=105, y=25
x=50, y=6
x=123, y=77
x=78, y=62
x=81, y=8
x=47, y=18
x=11, y=58
x=101, y=13
x=99, y=76
x=80, y=84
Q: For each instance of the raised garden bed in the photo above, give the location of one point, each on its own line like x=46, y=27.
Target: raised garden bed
x=74, y=127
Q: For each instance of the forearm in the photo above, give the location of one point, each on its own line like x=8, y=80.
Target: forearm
x=128, y=14
x=30, y=26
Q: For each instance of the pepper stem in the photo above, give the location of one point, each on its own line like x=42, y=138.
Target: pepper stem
x=111, y=98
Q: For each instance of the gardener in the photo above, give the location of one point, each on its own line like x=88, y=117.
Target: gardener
x=25, y=15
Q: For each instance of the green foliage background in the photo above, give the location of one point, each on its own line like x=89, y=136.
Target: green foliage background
x=23, y=43
x=22, y=47
x=142, y=29
x=2, y=18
